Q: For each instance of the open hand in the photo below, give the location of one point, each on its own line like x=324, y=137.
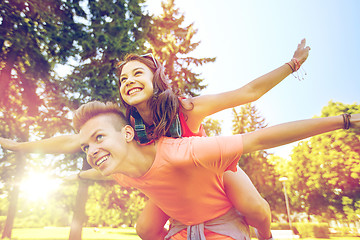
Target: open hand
x=302, y=52
x=8, y=144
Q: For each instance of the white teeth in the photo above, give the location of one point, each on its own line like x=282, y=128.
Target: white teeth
x=101, y=160
x=134, y=91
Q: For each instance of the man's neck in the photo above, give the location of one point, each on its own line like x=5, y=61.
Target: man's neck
x=142, y=159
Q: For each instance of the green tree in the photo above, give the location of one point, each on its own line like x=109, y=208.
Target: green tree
x=113, y=29
x=351, y=209
x=81, y=80
x=325, y=169
x=257, y=167
x=212, y=127
x=114, y=205
x=172, y=43
x=280, y=164
x=34, y=35
x=54, y=209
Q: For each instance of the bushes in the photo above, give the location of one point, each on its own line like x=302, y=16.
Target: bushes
x=312, y=230
x=280, y=226
x=344, y=232
x=316, y=230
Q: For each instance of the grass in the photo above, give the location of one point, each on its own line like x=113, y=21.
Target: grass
x=62, y=233
x=333, y=238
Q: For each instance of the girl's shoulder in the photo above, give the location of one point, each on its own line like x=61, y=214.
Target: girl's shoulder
x=186, y=104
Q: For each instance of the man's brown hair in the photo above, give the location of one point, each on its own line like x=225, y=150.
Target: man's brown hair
x=91, y=109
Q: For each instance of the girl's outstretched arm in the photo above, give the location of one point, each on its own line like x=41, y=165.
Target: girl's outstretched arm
x=209, y=104
x=58, y=144
x=285, y=133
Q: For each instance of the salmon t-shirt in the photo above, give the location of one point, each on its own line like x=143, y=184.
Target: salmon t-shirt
x=186, y=178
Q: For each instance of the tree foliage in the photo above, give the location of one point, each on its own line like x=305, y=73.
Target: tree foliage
x=54, y=210
x=257, y=167
x=324, y=170
x=112, y=205
x=172, y=42
x=112, y=29
x=36, y=36
x=212, y=127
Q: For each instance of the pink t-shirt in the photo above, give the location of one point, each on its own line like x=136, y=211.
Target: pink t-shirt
x=186, y=178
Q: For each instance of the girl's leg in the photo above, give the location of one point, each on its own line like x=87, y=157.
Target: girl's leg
x=150, y=224
x=247, y=200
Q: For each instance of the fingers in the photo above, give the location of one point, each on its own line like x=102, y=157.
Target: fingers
x=302, y=43
x=302, y=51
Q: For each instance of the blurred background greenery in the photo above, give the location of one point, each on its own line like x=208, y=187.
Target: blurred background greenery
x=57, y=55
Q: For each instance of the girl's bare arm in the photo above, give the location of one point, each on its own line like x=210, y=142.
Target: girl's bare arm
x=209, y=104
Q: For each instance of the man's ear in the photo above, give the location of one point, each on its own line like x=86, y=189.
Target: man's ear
x=129, y=133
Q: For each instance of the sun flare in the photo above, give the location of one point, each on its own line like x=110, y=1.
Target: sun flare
x=38, y=186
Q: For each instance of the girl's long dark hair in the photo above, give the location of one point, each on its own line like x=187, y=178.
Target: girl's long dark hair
x=164, y=103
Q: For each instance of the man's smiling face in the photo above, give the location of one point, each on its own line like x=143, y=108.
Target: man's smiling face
x=104, y=144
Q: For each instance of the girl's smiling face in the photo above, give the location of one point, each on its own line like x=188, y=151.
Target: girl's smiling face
x=136, y=83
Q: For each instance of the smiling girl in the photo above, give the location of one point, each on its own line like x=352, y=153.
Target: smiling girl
x=155, y=110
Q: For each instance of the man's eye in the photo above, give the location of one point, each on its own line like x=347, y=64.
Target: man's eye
x=99, y=137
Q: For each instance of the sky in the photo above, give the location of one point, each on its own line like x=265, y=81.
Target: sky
x=251, y=38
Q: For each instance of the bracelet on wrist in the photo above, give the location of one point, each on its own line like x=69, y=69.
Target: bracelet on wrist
x=346, y=119
x=296, y=63
x=292, y=68
x=296, y=69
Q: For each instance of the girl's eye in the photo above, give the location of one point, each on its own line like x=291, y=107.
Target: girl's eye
x=99, y=137
x=138, y=73
x=85, y=149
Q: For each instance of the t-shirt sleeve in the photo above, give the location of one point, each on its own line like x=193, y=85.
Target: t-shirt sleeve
x=218, y=153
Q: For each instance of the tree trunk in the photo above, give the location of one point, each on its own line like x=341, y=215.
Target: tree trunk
x=5, y=77
x=14, y=195
x=79, y=211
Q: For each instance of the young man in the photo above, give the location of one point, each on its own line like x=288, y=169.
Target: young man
x=183, y=176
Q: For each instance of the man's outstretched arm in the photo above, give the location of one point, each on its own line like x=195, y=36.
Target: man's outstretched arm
x=285, y=133
x=58, y=144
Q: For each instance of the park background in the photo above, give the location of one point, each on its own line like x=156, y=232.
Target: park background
x=248, y=39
